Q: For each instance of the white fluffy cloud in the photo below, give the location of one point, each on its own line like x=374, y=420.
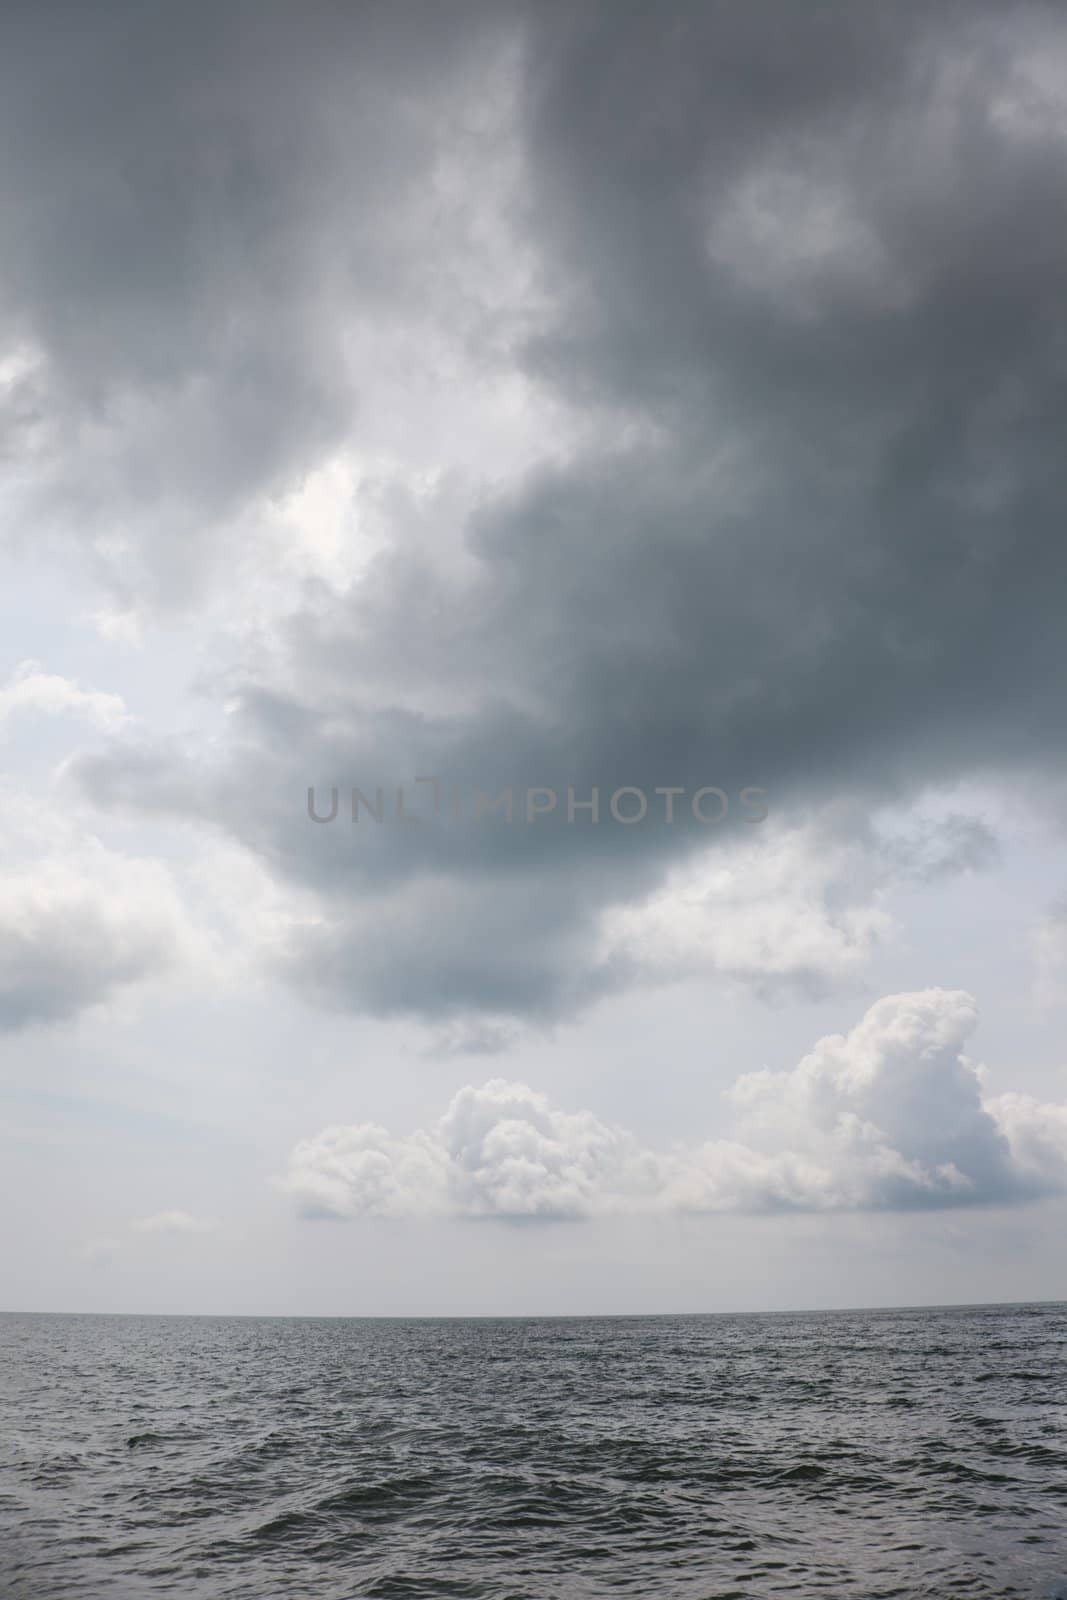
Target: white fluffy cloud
x=888, y=1116
x=510, y=1154
x=31, y=689
x=78, y=921
x=788, y=906
x=499, y=1151
x=800, y=903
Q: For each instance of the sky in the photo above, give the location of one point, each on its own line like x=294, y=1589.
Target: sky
x=532, y=651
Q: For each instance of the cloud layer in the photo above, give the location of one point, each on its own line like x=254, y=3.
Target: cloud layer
x=890, y=1116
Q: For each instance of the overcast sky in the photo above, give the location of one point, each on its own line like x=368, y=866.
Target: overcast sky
x=653, y=414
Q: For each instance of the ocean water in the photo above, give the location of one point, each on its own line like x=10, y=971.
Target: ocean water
x=861, y=1454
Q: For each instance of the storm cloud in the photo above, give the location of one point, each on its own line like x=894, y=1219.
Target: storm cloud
x=761, y=309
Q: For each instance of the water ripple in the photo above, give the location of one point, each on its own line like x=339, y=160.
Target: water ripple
x=920, y=1455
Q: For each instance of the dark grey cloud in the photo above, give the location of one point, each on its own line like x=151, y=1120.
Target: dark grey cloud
x=203, y=202
x=804, y=272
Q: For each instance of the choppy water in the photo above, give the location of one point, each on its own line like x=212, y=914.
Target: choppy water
x=860, y=1454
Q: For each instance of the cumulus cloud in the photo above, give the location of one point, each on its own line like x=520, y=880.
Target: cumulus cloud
x=499, y=1151
x=889, y=1116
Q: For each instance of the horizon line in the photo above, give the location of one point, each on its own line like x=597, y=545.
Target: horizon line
x=541, y=1316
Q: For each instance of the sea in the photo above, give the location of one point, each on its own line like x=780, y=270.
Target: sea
x=866, y=1454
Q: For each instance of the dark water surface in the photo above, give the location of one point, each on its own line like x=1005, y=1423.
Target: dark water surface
x=906, y=1453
